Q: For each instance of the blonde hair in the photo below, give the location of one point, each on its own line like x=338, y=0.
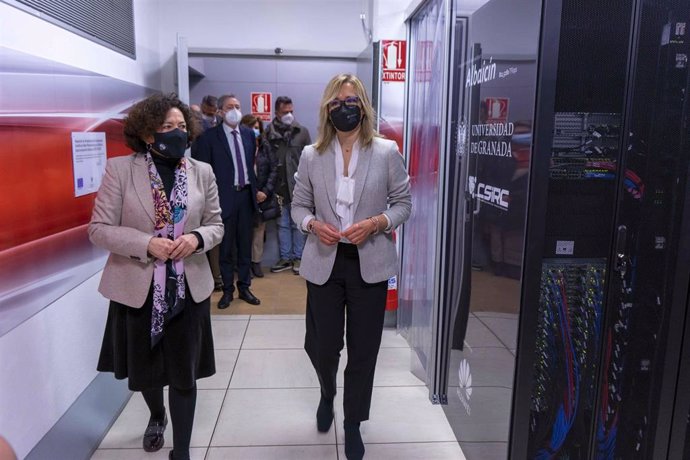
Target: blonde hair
x=327, y=132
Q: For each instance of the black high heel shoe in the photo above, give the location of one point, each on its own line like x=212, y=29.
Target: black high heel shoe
x=153, y=436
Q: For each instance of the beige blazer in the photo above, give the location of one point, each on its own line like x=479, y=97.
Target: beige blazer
x=381, y=186
x=123, y=219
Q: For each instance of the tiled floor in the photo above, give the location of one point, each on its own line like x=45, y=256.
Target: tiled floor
x=261, y=404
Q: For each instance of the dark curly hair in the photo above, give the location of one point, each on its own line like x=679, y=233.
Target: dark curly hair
x=145, y=117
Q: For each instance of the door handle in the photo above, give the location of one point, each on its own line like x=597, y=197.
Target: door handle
x=621, y=264
x=471, y=205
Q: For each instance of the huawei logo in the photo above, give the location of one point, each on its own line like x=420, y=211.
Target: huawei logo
x=465, y=385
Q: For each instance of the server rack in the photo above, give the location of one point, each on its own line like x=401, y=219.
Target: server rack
x=606, y=266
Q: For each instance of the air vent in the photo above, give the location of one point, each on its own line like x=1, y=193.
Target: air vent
x=108, y=22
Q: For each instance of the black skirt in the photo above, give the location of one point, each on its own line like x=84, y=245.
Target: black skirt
x=183, y=355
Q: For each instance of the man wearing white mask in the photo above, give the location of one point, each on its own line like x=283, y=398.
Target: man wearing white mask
x=287, y=139
x=229, y=149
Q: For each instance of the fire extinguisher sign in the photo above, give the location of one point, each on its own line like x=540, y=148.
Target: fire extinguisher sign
x=496, y=109
x=261, y=105
x=393, y=60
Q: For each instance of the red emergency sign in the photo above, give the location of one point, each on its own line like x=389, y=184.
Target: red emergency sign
x=496, y=109
x=261, y=106
x=393, y=60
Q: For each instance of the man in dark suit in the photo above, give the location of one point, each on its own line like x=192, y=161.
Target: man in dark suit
x=229, y=148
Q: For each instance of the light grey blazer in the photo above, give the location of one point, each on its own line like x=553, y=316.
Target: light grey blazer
x=123, y=219
x=381, y=185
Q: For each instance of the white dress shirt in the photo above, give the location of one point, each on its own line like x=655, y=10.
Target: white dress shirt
x=228, y=132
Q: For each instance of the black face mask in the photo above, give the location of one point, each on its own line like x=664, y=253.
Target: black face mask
x=345, y=118
x=171, y=144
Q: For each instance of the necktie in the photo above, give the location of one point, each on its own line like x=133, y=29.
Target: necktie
x=238, y=157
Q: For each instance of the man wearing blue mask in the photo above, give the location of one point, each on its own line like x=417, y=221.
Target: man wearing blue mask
x=287, y=138
x=230, y=148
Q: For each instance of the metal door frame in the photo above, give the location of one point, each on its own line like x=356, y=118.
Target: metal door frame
x=437, y=369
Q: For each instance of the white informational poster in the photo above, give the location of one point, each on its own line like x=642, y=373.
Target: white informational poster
x=88, y=160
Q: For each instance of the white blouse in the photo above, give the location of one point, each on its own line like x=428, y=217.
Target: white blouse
x=345, y=185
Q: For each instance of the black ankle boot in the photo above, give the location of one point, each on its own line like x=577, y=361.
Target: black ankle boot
x=171, y=456
x=324, y=415
x=354, y=447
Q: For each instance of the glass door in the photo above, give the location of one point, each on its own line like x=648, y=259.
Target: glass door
x=495, y=114
x=424, y=140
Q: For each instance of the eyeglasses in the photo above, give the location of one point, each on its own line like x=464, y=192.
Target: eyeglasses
x=348, y=101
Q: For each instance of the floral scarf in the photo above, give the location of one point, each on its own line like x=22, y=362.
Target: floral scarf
x=168, y=277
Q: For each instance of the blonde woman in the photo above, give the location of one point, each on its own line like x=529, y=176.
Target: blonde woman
x=351, y=191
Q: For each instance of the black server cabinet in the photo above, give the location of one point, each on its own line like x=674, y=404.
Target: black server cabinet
x=606, y=267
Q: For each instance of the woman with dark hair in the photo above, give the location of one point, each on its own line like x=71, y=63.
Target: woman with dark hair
x=266, y=168
x=157, y=212
x=351, y=191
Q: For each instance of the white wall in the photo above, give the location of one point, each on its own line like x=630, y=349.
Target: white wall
x=389, y=19
x=24, y=32
x=47, y=362
x=325, y=27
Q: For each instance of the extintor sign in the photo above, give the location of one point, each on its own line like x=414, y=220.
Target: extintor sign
x=261, y=106
x=393, y=60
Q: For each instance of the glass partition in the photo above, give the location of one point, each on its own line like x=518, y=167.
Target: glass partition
x=493, y=137
x=424, y=114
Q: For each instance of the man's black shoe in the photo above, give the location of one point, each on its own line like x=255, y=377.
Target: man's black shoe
x=256, y=270
x=247, y=296
x=224, y=301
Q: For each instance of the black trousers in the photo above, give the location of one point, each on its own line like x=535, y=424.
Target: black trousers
x=346, y=303
x=237, y=240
